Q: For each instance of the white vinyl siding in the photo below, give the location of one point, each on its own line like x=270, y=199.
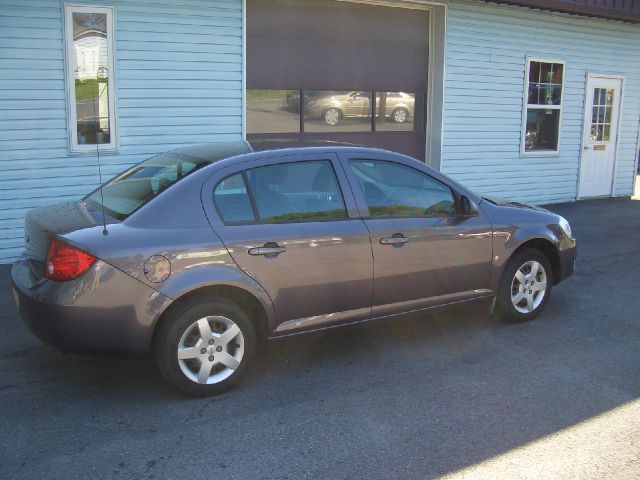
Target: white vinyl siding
x=179, y=81
x=486, y=51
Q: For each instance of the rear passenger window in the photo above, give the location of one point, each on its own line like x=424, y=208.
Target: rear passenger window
x=395, y=190
x=232, y=200
x=294, y=192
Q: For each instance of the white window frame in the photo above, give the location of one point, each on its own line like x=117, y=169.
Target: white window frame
x=526, y=106
x=72, y=129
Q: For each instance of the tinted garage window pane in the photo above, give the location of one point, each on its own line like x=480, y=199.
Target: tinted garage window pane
x=399, y=112
x=337, y=111
x=393, y=190
x=232, y=200
x=304, y=191
x=273, y=111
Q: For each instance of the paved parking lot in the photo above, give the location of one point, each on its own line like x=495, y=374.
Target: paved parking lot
x=454, y=394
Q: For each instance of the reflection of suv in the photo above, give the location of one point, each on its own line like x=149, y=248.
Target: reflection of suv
x=334, y=106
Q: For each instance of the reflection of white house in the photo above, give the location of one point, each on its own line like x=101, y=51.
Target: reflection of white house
x=181, y=70
x=91, y=62
x=90, y=55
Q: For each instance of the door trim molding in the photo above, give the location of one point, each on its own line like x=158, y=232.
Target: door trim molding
x=589, y=76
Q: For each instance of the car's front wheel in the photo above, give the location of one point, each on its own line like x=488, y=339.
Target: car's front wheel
x=203, y=347
x=332, y=116
x=400, y=115
x=525, y=287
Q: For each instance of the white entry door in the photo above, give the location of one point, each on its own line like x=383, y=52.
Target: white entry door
x=601, y=119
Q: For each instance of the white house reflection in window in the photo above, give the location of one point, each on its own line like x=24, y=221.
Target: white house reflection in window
x=90, y=77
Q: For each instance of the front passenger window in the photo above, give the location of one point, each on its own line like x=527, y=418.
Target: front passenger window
x=396, y=190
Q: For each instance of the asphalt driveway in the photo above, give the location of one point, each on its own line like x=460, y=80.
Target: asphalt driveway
x=420, y=397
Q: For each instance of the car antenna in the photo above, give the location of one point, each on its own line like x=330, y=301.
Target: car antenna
x=95, y=130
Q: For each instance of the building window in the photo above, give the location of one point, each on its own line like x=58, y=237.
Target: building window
x=332, y=111
x=273, y=111
x=543, y=106
x=90, y=78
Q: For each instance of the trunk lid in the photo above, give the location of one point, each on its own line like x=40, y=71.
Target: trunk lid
x=44, y=223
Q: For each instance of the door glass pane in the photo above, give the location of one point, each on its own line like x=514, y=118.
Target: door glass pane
x=232, y=200
x=542, y=129
x=602, y=112
x=596, y=96
x=273, y=111
x=91, y=86
x=395, y=111
x=337, y=111
x=294, y=192
x=394, y=190
x=609, y=97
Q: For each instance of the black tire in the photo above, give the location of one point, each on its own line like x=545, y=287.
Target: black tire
x=505, y=310
x=178, y=321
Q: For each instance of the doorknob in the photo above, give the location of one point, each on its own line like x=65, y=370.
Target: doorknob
x=394, y=240
x=587, y=147
x=268, y=249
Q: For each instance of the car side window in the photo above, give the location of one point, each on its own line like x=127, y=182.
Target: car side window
x=296, y=192
x=396, y=190
x=232, y=200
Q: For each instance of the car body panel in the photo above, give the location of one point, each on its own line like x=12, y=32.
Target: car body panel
x=104, y=309
x=445, y=255
x=310, y=280
x=173, y=246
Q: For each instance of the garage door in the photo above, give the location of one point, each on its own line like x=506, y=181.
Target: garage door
x=321, y=69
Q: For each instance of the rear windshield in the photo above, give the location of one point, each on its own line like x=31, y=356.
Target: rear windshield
x=135, y=187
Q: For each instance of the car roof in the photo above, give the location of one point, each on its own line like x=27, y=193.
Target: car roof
x=212, y=152
x=260, y=145
x=215, y=152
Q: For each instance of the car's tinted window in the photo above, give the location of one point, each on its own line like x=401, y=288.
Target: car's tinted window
x=141, y=183
x=232, y=200
x=395, y=190
x=302, y=191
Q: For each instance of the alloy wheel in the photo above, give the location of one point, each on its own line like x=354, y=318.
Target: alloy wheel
x=528, y=287
x=210, y=350
x=332, y=116
x=400, y=116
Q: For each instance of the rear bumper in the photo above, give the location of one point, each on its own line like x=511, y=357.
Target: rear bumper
x=103, y=310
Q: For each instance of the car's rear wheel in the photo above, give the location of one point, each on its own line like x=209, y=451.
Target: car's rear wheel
x=203, y=347
x=525, y=287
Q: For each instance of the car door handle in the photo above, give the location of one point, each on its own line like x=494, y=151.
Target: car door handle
x=270, y=250
x=394, y=240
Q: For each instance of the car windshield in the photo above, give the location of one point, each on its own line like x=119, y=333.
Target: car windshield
x=135, y=187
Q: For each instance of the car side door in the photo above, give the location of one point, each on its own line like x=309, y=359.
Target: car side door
x=359, y=104
x=426, y=250
x=291, y=223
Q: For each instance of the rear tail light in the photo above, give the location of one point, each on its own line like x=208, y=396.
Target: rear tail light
x=65, y=262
